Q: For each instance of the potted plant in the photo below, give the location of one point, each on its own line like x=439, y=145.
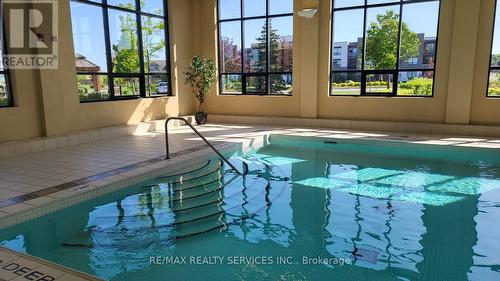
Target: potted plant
x=200, y=75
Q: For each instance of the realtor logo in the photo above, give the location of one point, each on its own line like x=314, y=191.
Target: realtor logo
x=30, y=34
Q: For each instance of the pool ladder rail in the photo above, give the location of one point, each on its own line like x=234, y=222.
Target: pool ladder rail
x=222, y=157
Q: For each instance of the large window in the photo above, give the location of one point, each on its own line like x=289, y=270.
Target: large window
x=384, y=47
x=5, y=95
x=121, y=49
x=494, y=77
x=255, y=47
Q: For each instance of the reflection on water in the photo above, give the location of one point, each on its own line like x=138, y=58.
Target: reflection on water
x=394, y=218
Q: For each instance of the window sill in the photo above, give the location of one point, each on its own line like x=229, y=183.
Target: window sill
x=128, y=98
x=256, y=94
x=378, y=96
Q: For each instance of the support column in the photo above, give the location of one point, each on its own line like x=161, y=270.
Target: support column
x=309, y=58
x=59, y=101
x=462, y=61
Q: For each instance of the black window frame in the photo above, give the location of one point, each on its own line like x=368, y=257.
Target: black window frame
x=395, y=72
x=490, y=68
x=6, y=74
x=141, y=75
x=244, y=75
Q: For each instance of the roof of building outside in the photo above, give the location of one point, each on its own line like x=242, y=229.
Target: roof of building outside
x=82, y=63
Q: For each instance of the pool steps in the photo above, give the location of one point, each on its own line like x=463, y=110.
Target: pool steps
x=212, y=208
x=206, y=197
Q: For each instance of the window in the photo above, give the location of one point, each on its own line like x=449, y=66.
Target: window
x=121, y=49
x=395, y=51
x=412, y=61
x=494, y=74
x=430, y=47
x=5, y=97
x=337, y=51
x=255, y=47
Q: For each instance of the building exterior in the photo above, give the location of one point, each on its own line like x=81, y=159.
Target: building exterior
x=353, y=59
x=283, y=55
x=84, y=65
x=346, y=56
x=340, y=55
x=157, y=66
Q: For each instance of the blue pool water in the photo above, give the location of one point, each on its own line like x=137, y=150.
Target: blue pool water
x=306, y=210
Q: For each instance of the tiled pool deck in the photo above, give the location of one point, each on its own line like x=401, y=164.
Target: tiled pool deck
x=33, y=181
x=19, y=267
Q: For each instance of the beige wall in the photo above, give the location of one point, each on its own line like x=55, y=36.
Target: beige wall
x=24, y=120
x=46, y=102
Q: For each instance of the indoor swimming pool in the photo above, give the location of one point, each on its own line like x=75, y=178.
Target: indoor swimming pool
x=306, y=209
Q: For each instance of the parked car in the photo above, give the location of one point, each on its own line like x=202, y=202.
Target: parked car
x=163, y=88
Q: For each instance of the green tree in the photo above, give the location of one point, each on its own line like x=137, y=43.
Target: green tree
x=3, y=94
x=495, y=59
x=125, y=60
x=382, y=42
x=261, y=61
x=126, y=57
x=152, y=30
x=275, y=55
x=126, y=54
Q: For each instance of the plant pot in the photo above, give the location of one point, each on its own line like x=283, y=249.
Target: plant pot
x=201, y=118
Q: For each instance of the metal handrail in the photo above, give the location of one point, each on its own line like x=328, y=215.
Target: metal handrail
x=202, y=137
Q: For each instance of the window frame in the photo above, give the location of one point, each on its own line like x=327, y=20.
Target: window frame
x=6, y=74
x=490, y=68
x=141, y=75
x=244, y=75
x=364, y=72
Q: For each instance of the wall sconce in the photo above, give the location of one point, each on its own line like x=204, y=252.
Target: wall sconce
x=307, y=13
